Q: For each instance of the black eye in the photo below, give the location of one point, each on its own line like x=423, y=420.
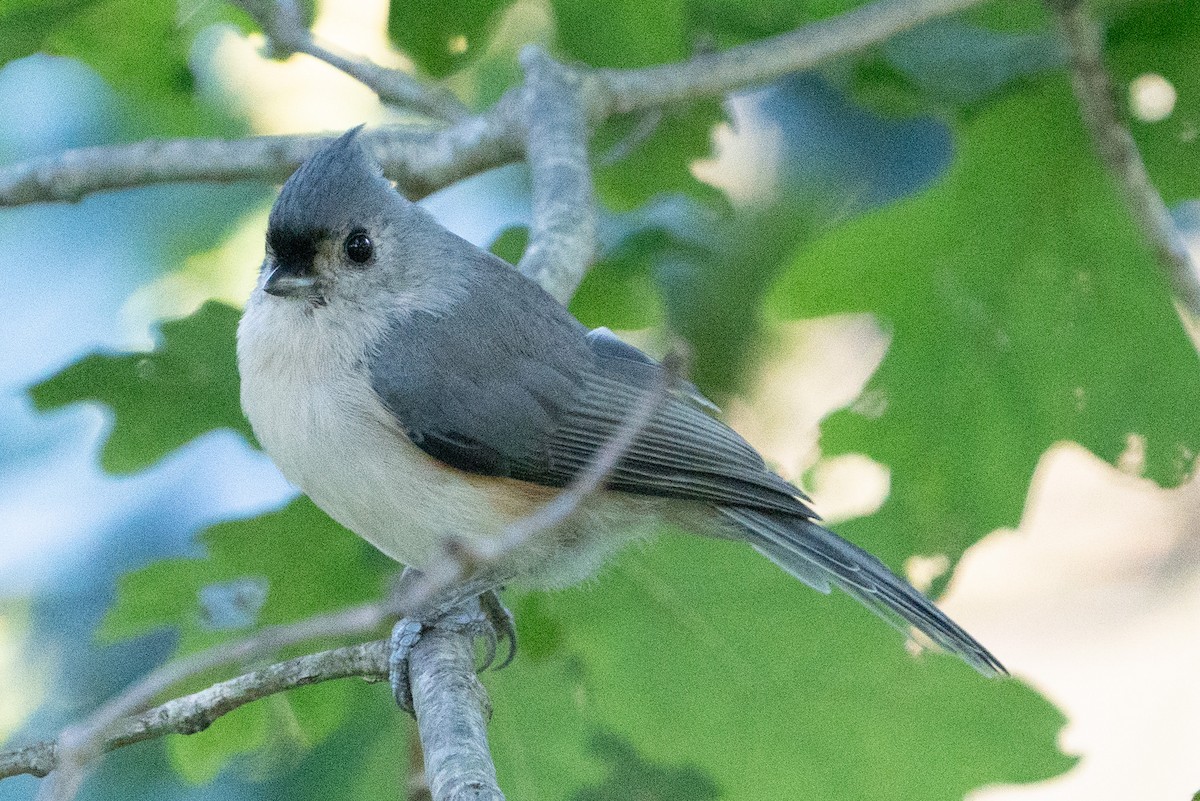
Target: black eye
x=359, y=247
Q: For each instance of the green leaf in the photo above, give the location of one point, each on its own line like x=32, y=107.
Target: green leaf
x=494, y=66
x=619, y=291
x=140, y=47
x=950, y=63
x=25, y=26
x=1164, y=38
x=732, y=22
x=621, y=33
x=704, y=657
x=714, y=297
x=650, y=154
x=710, y=268
x=1021, y=16
x=1025, y=310
x=442, y=36
x=200, y=758
x=511, y=243
x=630, y=775
x=956, y=63
x=364, y=761
x=309, y=564
x=162, y=399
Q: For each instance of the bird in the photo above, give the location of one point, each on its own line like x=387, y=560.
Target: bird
x=418, y=388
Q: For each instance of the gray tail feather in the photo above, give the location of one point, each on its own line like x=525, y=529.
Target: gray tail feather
x=818, y=557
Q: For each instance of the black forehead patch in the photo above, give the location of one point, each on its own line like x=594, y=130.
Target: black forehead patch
x=291, y=246
x=336, y=188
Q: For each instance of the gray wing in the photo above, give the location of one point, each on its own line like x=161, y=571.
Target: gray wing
x=507, y=383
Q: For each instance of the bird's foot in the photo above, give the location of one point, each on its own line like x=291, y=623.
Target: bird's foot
x=485, y=617
x=503, y=627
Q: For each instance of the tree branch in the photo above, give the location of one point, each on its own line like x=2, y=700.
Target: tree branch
x=280, y=22
x=562, y=240
x=79, y=745
x=764, y=61
x=1118, y=151
x=196, y=712
x=422, y=162
x=451, y=705
x=452, y=712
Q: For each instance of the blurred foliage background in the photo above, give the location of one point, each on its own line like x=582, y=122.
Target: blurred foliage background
x=941, y=183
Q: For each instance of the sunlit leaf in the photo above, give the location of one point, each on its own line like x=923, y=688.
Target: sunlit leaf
x=621, y=33
x=1024, y=307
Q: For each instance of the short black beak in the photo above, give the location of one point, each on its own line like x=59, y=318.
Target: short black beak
x=290, y=283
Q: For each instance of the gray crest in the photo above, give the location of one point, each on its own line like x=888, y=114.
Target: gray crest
x=339, y=184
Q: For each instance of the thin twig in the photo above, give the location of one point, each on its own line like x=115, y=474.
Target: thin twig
x=80, y=744
x=763, y=61
x=194, y=713
x=423, y=163
x=648, y=122
x=1118, y=151
x=393, y=86
x=281, y=23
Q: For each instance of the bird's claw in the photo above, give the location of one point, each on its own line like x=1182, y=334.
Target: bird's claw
x=405, y=635
x=488, y=619
x=503, y=627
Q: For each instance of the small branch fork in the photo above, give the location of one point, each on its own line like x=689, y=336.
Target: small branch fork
x=547, y=121
x=280, y=22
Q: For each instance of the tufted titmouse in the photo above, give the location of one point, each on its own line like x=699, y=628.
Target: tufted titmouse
x=417, y=387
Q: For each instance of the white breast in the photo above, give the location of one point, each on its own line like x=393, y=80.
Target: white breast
x=307, y=395
x=306, y=392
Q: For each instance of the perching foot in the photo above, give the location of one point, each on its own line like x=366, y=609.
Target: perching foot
x=503, y=627
x=405, y=635
x=486, y=618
